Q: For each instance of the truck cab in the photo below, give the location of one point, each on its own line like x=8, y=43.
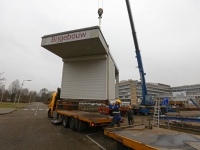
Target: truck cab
x=52, y=105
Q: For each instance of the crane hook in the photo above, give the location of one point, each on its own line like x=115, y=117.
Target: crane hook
x=100, y=12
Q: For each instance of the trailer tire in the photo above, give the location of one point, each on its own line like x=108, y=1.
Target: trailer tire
x=65, y=121
x=72, y=123
x=76, y=124
x=82, y=125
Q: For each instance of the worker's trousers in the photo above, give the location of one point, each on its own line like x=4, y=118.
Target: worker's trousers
x=130, y=120
x=115, y=120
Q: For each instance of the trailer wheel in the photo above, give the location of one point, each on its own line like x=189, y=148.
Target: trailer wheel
x=49, y=114
x=82, y=125
x=76, y=124
x=72, y=123
x=65, y=121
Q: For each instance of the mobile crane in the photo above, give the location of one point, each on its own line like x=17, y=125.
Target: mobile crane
x=146, y=99
x=141, y=137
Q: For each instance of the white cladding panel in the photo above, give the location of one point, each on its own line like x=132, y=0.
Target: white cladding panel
x=111, y=75
x=85, y=79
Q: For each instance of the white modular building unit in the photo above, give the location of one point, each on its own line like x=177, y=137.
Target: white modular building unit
x=89, y=71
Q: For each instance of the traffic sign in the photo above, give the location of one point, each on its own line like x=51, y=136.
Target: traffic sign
x=166, y=100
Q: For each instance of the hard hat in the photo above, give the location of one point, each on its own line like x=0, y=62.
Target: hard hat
x=129, y=107
x=119, y=101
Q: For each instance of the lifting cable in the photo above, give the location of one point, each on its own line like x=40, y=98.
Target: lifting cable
x=101, y=3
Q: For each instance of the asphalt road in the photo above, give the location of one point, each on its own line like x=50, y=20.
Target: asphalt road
x=30, y=129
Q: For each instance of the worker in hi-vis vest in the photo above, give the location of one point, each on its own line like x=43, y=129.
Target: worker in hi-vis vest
x=130, y=115
x=115, y=113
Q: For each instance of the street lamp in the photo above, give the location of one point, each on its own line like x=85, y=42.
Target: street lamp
x=20, y=91
x=16, y=95
x=30, y=97
x=2, y=93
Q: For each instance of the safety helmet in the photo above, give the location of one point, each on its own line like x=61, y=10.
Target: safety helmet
x=129, y=107
x=119, y=101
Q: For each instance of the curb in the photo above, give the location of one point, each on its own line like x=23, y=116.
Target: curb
x=8, y=112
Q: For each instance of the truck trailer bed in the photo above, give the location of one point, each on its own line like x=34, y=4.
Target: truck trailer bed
x=90, y=117
x=139, y=137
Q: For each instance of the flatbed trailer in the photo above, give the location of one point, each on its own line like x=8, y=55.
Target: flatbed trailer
x=71, y=114
x=91, y=118
x=140, y=138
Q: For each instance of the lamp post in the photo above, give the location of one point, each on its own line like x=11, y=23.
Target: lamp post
x=16, y=96
x=30, y=97
x=2, y=93
x=20, y=91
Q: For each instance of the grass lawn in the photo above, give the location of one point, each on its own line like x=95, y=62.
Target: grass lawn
x=11, y=105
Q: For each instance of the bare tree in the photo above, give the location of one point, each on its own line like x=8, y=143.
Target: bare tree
x=44, y=94
x=33, y=96
x=24, y=95
x=50, y=94
x=6, y=95
x=2, y=79
x=13, y=89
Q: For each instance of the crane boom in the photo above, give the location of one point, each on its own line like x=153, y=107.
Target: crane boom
x=195, y=104
x=138, y=55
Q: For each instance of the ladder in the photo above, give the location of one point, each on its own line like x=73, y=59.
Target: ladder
x=156, y=115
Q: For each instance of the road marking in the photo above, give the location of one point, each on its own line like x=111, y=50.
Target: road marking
x=95, y=141
x=36, y=110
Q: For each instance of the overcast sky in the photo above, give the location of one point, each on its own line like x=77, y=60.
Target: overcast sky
x=168, y=34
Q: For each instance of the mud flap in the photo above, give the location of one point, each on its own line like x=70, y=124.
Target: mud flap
x=82, y=125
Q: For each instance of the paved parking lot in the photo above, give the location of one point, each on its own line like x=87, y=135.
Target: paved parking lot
x=29, y=128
